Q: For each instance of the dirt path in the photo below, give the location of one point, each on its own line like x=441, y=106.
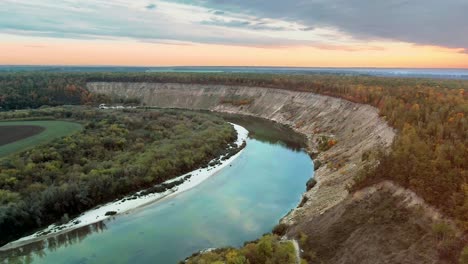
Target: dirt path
x=298, y=251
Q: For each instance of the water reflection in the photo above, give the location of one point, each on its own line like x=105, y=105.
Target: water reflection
x=268, y=131
x=28, y=253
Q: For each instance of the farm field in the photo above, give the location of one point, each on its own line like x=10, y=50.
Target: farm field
x=10, y=134
x=16, y=136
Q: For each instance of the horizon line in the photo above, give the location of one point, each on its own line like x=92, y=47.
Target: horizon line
x=229, y=66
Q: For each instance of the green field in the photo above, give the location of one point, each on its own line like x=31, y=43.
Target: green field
x=53, y=130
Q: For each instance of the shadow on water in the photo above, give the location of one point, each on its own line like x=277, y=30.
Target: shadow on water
x=267, y=131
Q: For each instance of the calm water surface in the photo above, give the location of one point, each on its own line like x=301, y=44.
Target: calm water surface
x=239, y=204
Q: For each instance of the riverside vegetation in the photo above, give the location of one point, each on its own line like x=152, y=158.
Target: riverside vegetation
x=116, y=153
x=268, y=249
x=428, y=156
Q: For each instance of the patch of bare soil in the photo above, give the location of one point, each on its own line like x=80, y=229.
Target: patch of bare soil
x=382, y=224
x=10, y=134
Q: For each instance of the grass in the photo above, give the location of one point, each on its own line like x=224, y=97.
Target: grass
x=53, y=130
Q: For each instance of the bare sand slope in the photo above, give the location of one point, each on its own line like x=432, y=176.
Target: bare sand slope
x=380, y=224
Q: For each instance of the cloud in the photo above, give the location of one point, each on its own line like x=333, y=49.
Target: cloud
x=307, y=28
x=90, y=19
x=252, y=24
x=324, y=24
x=112, y=19
x=431, y=22
x=231, y=23
x=150, y=6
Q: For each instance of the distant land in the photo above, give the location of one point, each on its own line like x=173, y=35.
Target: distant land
x=384, y=72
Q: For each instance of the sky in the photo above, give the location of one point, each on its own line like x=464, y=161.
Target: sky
x=315, y=33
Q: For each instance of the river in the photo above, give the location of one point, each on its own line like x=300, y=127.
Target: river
x=240, y=203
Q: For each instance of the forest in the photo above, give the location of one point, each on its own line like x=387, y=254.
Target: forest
x=33, y=90
x=429, y=155
x=116, y=154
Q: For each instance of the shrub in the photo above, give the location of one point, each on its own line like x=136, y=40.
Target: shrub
x=311, y=183
x=280, y=229
x=325, y=143
x=303, y=201
x=442, y=230
x=317, y=164
x=109, y=213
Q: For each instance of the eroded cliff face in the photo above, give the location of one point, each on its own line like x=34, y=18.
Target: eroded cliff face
x=379, y=224
x=357, y=128
x=343, y=225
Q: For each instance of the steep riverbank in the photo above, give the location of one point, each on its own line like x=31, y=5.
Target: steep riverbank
x=343, y=138
x=383, y=223
x=356, y=128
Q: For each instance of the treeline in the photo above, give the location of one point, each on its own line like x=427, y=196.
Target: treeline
x=36, y=89
x=268, y=249
x=32, y=90
x=116, y=154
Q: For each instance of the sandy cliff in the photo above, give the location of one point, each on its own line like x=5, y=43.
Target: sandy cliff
x=356, y=128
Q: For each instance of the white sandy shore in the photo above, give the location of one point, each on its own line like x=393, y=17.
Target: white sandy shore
x=125, y=205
